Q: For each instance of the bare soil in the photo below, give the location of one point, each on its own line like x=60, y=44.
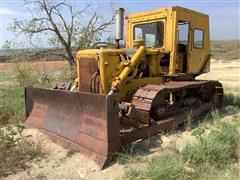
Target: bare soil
x=59, y=163
x=228, y=73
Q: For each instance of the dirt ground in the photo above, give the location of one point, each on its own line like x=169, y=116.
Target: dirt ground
x=228, y=73
x=58, y=163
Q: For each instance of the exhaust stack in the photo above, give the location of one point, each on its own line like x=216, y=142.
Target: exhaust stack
x=119, y=26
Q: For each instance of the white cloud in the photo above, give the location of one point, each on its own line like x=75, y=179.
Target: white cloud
x=8, y=11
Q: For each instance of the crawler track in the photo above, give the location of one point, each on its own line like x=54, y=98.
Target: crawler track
x=163, y=107
x=156, y=102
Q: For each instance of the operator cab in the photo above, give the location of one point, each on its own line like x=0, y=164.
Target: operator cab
x=181, y=36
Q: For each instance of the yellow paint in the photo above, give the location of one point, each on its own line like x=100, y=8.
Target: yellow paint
x=118, y=82
x=122, y=74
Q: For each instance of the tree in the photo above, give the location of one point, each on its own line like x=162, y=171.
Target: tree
x=67, y=28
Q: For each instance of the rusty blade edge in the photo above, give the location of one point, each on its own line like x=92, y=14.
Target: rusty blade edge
x=100, y=160
x=68, y=140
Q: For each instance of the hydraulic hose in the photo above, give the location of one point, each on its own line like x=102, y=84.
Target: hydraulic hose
x=93, y=82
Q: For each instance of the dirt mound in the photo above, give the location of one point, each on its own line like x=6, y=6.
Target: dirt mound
x=225, y=50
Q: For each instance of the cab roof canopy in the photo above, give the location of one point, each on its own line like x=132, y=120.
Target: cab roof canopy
x=164, y=10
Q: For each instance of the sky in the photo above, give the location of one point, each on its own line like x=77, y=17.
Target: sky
x=224, y=14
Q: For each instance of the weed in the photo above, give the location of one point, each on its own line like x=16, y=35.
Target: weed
x=231, y=99
x=204, y=159
x=67, y=74
x=234, y=172
x=188, y=121
x=215, y=114
x=27, y=75
x=231, y=110
x=173, y=147
x=12, y=105
x=16, y=150
x=198, y=132
x=165, y=166
x=134, y=152
x=12, y=102
x=133, y=174
x=23, y=74
x=71, y=152
x=217, y=148
x=128, y=155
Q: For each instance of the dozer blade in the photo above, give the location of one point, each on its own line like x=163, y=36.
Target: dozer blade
x=81, y=121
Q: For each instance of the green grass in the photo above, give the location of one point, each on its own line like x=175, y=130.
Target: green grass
x=231, y=99
x=16, y=150
x=131, y=154
x=12, y=105
x=188, y=121
x=218, y=148
x=168, y=166
x=6, y=76
x=213, y=156
x=12, y=95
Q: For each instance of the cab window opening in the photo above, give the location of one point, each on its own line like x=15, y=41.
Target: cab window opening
x=151, y=33
x=198, y=38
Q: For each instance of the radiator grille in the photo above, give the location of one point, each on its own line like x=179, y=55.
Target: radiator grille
x=87, y=67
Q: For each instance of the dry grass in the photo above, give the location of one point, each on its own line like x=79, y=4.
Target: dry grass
x=50, y=65
x=30, y=72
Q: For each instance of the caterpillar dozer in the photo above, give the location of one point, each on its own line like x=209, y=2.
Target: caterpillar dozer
x=133, y=90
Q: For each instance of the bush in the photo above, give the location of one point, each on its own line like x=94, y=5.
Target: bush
x=16, y=150
x=231, y=99
x=23, y=74
x=28, y=75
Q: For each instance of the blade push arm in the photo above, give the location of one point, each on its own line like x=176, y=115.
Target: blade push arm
x=129, y=66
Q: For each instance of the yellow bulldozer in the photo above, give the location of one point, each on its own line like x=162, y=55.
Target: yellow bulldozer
x=134, y=90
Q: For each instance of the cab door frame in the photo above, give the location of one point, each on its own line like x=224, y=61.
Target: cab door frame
x=198, y=56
